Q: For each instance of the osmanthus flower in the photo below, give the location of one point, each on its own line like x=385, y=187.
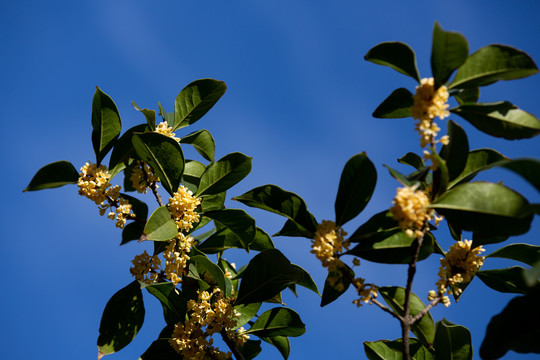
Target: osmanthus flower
x=176, y=257
x=145, y=268
x=142, y=176
x=459, y=265
x=366, y=292
x=182, y=208
x=410, y=209
x=429, y=103
x=165, y=129
x=328, y=241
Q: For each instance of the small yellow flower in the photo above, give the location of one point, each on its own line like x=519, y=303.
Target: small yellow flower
x=142, y=176
x=145, y=267
x=328, y=241
x=182, y=208
x=165, y=129
x=411, y=210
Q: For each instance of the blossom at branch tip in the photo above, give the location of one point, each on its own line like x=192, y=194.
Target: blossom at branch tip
x=164, y=129
x=328, y=241
x=182, y=208
x=410, y=209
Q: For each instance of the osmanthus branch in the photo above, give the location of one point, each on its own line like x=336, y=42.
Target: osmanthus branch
x=232, y=345
x=387, y=309
x=155, y=192
x=422, y=313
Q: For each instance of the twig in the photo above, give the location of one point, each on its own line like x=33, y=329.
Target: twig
x=387, y=309
x=156, y=194
x=422, y=313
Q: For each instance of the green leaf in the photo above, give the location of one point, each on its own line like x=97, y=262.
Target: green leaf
x=467, y=95
x=515, y=328
x=382, y=221
x=457, y=151
x=332, y=292
x=266, y=275
x=166, y=116
x=161, y=349
x=493, y=63
x=194, y=101
x=500, y=119
x=392, y=350
x=529, y=169
x=262, y=241
x=280, y=321
x=392, y=247
x=160, y=226
x=224, y=174
x=221, y=240
x=397, y=55
x=139, y=208
x=123, y=151
x=396, y=105
x=274, y=199
x=246, y=313
x=527, y=254
x=395, y=298
x=307, y=281
x=510, y=280
x=293, y=229
x=122, y=319
x=150, y=116
x=251, y=349
x=53, y=175
x=191, y=177
x=412, y=159
x=164, y=155
x=440, y=175
x=452, y=342
x=106, y=124
x=204, y=264
x=281, y=343
x=448, y=52
x=203, y=142
x=173, y=303
x=241, y=225
x=213, y=202
x=132, y=231
x=356, y=186
x=485, y=208
x=477, y=161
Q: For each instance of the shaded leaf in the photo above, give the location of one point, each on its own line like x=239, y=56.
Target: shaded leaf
x=238, y=222
x=457, y=151
x=452, y=342
x=160, y=226
x=246, y=313
x=397, y=55
x=293, y=229
x=203, y=142
x=280, y=321
x=510, y=280
x=527, y=254
x=281, y=343
x=477, y=161
x=392, y=350
x=412, y=159
x=467, y=95
x=529, y=169
x=53, y=175
x=161, y=349
x=123, y=151
x=132, y=231
x=262, y=241
x=397, y=105
x=333, y=288
x=307, y=281
x=106, y=124
x=150, y=116
x=449, y=50
x=224, y=174
x=251, y=349
x=203, y=265
x=193, y=171
x=174, y=304
x=382, y=221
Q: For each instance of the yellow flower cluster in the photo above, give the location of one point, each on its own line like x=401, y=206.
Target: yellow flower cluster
x=176, y=257
x=429, y=104
x=366, y=292
x=145, y=268
x=411, y=210
x=459, y=265
x=182, y=207
x=211, y=313
x=327, y=242
x=165, y=129
x=142, y=176
x=94, y=184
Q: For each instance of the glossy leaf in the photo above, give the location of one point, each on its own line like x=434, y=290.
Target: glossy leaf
x=262, y=241
x=194, y=101
x=53, y=175
x=307, y=281
x=122, y=319
x=238, y=222
x=510, y=280
x=392, y=350
x=203, y=142
x=529, y=169
x=515, y=328
x=527, y=254
x=173, y=303
x=274, y=199
x=493, y=63
x=485, y=208
x=449, y=50
x=221, y=240
x=500, y=119
x=397, y=55
x=164, y=155
x=160, y=226
x=281, y=343
x=477, y=161
x=424, y=329
x=224, y=174
x=166, y=116
x=106, y=124
x=123, y=150
x=246, y=313
x=213, y=202
x=412, y=159
x=161, y=349
x=332, y=289
x=457, y=151
x=266, y=275
x=193, y=171
x=396, y=105
x=203, y=265
x=356, y=186
x=278, y=322
x=452, y=342
x=150, y=116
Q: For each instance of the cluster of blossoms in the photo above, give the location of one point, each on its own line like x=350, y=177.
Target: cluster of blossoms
x=94, y=184
x=411, y=210
x=366, y=292
x=142, y=177
x=165, y=129
x=182, y=208
x=328, y=242
x=146, y=268
x=176, y=257
x=459, y=265
x=429, y=103
x=212, y=313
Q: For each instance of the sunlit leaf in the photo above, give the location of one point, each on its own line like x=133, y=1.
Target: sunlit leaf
x=203, y=142
x=205, y=265
x=392, y=350
x=477, y=161
x=224, y=174
x=160, y=226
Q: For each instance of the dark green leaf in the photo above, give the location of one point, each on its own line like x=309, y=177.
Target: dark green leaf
x=448, y=52
x=412, y=159
x=515, y=328
x=293, y=229
x=468, y=95
x=266, y=275
x=205, y=265
x=423, y=329
x=397, y=55
x=174, y=304
x=382, y=221
x=485, y=208
x=203, y=142
x=341, y=280
x=150, y=116
x=247, y=312
x=161, y=349
x=160, y=226
x=213, y=202
x=392, y=350
x=274, y=199
x=132, y=231
x=194, y=101
x=493, y=63
x=139, y=208
x=356, y=186
x=529, y=169
x=281, y=343
x=262, y=241
x=193, y=171
x=167, y=116
x=164, y=155
x=307, y=281
x=477, y=161
x=278, y=322
x=53, y=175
x=106, y=124
x=224, y=174
x=240, y=224
x=452, y=342
x=221, y=240
x=440, y=175
x=527, y=254
x=510, y=280
x=500, y=119
x=123, y=152
x=122, y=319
x=480, y=239
x=396, y=105
x=251, y=349
x=457, y=151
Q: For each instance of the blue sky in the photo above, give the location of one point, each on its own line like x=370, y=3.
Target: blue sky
x=299, y=101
